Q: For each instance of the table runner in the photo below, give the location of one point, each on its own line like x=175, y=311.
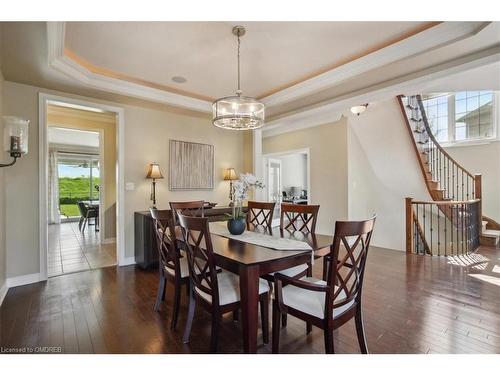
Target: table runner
x=260, y=239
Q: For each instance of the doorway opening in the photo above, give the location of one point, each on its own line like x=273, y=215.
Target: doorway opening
x=80, y=222
x=287, y=179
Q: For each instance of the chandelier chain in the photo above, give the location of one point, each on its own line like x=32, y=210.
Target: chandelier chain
x=239, y=89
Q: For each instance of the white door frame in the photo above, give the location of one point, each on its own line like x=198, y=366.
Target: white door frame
x=305, y=151
x=43, y=100
x=267, y=161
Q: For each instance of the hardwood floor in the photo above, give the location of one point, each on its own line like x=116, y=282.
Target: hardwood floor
x=412, y=304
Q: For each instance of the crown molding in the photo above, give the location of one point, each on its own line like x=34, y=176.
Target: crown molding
x=331, y=110
x=61, y=63
x=434, y=37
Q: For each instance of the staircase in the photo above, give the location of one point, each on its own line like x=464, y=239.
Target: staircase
x=452, y=222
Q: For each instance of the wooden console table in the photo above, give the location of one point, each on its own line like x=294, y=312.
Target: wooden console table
x=146, y=250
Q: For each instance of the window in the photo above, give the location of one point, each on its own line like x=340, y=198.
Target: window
x=78, y=181
x=461, y=116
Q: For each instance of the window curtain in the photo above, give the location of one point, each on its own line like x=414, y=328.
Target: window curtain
x=53, y=189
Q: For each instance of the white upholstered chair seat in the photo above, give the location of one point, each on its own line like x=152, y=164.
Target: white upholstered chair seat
x=184, y=266
x=292, y=271
x=311, y=302
x=229, y=288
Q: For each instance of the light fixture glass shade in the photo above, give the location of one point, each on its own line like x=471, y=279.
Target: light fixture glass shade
x=230, y=175
x=238, y=113
x=358, y=109
x=15, y=136
x=154, y=171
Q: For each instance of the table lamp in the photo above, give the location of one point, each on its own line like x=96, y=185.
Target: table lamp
x=230, y=175
x=154, y=173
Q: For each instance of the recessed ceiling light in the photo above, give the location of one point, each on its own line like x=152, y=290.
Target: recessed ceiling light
x=179, y=79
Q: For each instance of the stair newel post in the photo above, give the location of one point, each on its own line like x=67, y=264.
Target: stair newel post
x=478, y=195
x=409, y=225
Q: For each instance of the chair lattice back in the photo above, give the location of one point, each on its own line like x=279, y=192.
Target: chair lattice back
x=260, y=214
x=191, y=208
x=299, y=217
x=167, y=249
x=348, y=259
x=201, y=262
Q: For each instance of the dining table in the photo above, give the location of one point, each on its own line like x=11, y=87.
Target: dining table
x=251, y=261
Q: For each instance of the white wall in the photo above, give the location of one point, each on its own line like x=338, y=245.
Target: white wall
x=483, y=159
x=382, y=171
x=147, y=132
x=293, y=170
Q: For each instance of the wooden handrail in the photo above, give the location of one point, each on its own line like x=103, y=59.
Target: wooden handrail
x=450, y=203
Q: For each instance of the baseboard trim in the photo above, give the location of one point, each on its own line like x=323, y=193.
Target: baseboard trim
x=109, y=240
x=127, y=261
x=3, y=292
x=12, y=282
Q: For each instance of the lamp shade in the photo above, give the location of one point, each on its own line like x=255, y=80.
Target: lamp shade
x=230, y=174
x=15, y=136
x=154, y=171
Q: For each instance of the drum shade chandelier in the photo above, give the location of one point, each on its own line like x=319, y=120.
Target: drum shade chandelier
x=238, y=112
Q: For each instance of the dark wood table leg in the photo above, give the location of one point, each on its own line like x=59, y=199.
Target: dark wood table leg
x=249, y=292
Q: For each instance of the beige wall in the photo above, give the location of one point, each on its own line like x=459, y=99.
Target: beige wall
x=3, y=158
x=247, y=152
x=147, y=132
x=106, y=124
x=483, y=159
x=328, y=154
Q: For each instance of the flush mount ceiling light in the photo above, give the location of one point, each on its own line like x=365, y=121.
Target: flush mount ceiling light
x=359, y=109
x=179, y=79
x=238, y=112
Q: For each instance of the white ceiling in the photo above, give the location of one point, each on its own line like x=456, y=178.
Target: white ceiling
x=72, y=137
x=273, y=54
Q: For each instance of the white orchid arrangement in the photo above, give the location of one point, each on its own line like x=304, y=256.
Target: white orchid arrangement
x=241, y=187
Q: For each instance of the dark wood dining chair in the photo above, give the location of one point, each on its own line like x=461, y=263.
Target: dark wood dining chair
x=188, y=208
x=260, y=214
x=86, y=214
x=217, y=292
x=329, y=304
x=297, y=218
x=172, y=265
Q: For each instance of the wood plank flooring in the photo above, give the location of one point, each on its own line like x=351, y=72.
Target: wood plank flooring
x=412, y=304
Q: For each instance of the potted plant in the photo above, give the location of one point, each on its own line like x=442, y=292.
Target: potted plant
x=236, y=223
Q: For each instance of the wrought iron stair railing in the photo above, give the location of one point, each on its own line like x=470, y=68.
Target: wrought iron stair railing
x=451, y=223
x=430, y=231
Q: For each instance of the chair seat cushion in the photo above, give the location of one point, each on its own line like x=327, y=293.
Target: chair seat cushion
x=229, y=288
x=292, y=271
x=312, y=302
x=183, y=266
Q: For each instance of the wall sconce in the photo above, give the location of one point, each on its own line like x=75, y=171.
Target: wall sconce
x=230, y=175
x=359, y=109
x=15, y=137
x=154, y=173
